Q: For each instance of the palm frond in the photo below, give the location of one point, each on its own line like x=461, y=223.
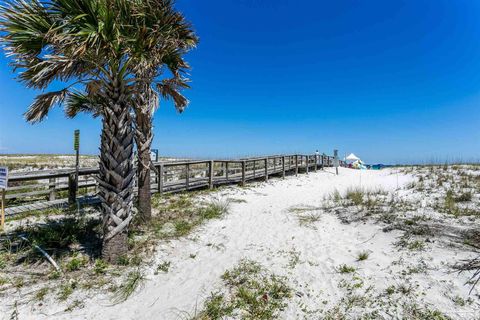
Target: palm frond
x=79, y=102
x=25, y=25
x=42, y=72
x=43, y=103
x=169, y=89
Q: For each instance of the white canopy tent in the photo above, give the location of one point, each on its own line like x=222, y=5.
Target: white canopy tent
x=352, y=157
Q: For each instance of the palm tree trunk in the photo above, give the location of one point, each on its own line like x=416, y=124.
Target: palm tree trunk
x=144, y=137
x=116, y=175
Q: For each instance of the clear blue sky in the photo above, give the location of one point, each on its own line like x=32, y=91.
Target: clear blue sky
x=392, y=81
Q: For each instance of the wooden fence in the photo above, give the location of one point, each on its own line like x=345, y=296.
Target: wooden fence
x=57, y=188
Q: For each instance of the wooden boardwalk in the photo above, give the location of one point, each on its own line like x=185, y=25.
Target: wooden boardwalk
x=56, y=188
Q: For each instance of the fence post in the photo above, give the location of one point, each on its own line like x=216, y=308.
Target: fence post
x=306, y=164
x=283, y=167
x=160, y=179
x=266, y=169
x=244, y=164
x=187, y=176
x=210, y=175
x=51, y=186
x=254, y=168
x=296, y=164
x=316, y=162
x=72, y=188
x=226, y=170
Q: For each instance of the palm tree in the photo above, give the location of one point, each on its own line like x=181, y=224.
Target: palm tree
x=83, y=43
x=145, y=105
x=160, y=21
x=162, y=36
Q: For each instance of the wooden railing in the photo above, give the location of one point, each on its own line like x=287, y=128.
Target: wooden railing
x=44, y=189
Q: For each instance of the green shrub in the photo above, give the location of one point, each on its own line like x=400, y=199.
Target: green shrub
x=215, y=209
x=100, y=266
x=355, y=196
x=75, y=263
x=346, y=269
x=164, y=266
x=450, y=206
x=363, y=256
x=123, y=260
x=66, y=290
x=416, y=245
x=182, y=227
x=40, y=294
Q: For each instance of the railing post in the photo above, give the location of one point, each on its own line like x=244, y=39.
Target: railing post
x=187, y=176
x=72, y=188
x=266, y=169
x=226, y=170
x=283, y=167
x=244, y=164
x=316, y=162
x=306, y=164
x=254, y=168
x=51, y=186
x=296, y=164
x=160, y=179
x=210, y=175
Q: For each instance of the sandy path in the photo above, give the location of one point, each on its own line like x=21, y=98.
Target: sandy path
x=263, y=229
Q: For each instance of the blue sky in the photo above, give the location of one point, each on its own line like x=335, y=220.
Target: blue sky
x=392, y=81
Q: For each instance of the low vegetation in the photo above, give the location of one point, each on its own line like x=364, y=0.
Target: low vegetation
x=438, y=195
x=307, y=215
x=346, y=269
x=360, y=300
x=73, y=239
x=132, y=281
x=426, y=215
x=28, y=162
x=363, y=256
x=367, y=200
x=251, y=292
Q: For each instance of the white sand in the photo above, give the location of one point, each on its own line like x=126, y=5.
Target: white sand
x=263, y=229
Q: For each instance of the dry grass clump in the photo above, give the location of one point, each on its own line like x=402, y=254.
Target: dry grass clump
x=363, y=256
x=133, y=280
x=358, y=196
x=343, y=268
x=251, y=293
x=361, y=300
x=357, y=203
x=307, y=215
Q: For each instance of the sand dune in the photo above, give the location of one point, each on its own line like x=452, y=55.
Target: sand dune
x=265, y=225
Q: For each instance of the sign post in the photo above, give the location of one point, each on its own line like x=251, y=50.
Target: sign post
x=3, y=188
x=76, y=147
x=335, y=160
